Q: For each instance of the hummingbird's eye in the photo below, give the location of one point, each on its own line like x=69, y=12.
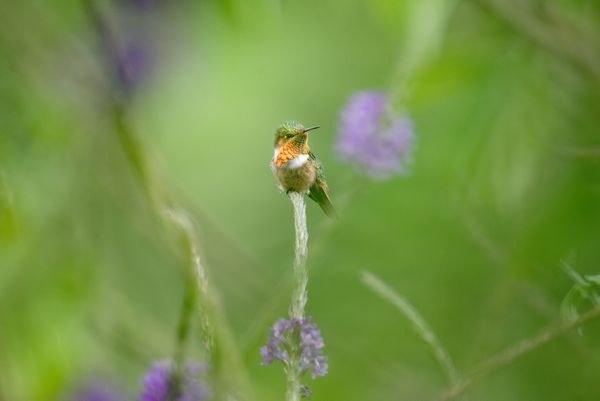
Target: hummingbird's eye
x=288, y=136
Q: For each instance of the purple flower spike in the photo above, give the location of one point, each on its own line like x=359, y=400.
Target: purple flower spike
x=158, y=383
x=301, y=334
x=373, y=137
x=133, y=64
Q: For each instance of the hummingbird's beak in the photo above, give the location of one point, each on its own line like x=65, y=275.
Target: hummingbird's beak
x=311, y=128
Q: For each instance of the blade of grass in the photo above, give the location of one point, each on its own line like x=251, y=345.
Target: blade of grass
x=511, y=354
x=419, y=324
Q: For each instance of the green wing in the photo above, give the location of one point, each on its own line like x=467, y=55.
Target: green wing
x=319, y=192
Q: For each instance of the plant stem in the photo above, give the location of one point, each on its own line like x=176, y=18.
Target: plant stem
x=419, y=324
x=300, y=294
x=183, y=327
x=196, y=273
x=281, y=296
x=226, y=368
x=515, y=352
x=293, y=381
x=221, y=350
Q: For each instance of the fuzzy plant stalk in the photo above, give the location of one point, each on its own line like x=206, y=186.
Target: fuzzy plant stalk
x=200, y=296
x=221, y=350
x=296, y=342
x=196, y=285
x=225, y=371
x=300, y=293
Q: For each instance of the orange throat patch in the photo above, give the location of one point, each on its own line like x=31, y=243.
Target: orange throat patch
x=289, y=152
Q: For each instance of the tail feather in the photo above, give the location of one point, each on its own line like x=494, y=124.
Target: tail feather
x=319, y=193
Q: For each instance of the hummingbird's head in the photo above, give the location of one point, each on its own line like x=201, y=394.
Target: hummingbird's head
x=291, y=131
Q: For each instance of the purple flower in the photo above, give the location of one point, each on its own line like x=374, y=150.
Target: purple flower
x=159, y=383
x=296, y=335
x=127, y=38
x=373, y=137
x=133, y=63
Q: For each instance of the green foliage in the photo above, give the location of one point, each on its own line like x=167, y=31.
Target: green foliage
x=584, y=294
x=505, y=183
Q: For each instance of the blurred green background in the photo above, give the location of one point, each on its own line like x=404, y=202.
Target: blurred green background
x=504, y=185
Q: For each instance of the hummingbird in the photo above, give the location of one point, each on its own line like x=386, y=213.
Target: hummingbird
x=296, y=168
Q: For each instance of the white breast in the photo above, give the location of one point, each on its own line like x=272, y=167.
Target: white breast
x=296, y=162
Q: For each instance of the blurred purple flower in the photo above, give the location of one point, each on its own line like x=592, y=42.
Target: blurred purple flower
x=133, y=62
x=127, y=40
x=301, y=334
x=159, y=383
x=373, y=137
x=96, y=391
